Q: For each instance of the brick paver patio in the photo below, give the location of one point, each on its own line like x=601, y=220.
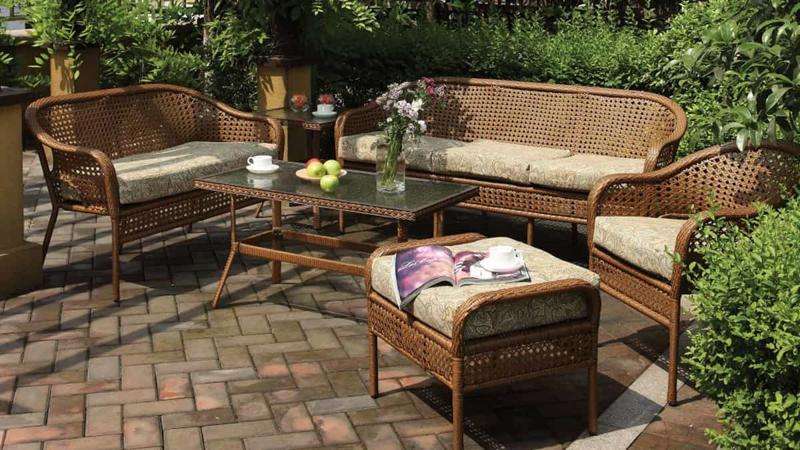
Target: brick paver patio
x=280, y=366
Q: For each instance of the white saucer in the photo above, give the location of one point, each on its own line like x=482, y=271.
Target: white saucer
x=323, y=115
x=503, y=267
x=269, y=169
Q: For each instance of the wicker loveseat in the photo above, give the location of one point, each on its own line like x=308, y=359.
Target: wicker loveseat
x=638, y=223
x=132, y=154
x=535, y=150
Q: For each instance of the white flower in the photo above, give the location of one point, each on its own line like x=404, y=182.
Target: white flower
x=423, y=127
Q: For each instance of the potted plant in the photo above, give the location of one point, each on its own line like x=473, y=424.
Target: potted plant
x=404, y=105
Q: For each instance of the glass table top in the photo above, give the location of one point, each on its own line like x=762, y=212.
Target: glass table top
x=357, y=187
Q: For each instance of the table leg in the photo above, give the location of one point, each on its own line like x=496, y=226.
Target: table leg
x=313, y=138
x=342, y=225
x=402, y=231
x=231, y=255
x=276, y=225
x=316, y=219
x=438, y=223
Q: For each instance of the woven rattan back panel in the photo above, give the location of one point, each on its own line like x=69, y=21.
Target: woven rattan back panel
x=142, y=119
x=580, y=119
x=731, y=179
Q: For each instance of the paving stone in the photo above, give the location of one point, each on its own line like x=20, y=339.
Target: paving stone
x=200, y=349
x=138, y=377
x=379, y=436
x=21, y=420
x=120, y=397
x=198, y=418
x=186, y=367
x=239, y=430
x=250, y=406
x=66, y=409
x=108, y=442
x=183, y=438
x=102, y=420
x=387, y=414
x=210, y=396
x=103, y=368
x=283, y=441
x=214, y=376
x=140, y=432
x=43, y=433
x=265, y=385
x=270, y=366
x=84, y=388
x=173, y=386
x=158, y=407
x=335, y=429
x=340, y=404
x=30, y=399
x=225, y=444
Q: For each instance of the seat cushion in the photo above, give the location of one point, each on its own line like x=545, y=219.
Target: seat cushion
x=497, y=160
x=645, y=242
x=436, y=306
x=580, y=172
x=364, y=147
x=149, y=176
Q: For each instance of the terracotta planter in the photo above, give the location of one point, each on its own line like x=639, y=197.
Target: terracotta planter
x=62, y=72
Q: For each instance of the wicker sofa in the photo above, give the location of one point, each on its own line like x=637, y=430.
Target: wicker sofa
x=132, y=154
x=637, y=223
x=534, y=149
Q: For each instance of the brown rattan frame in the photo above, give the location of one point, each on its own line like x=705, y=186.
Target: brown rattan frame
x=86, y=131
x=685, y=189
x=466, y=365
x=622, y=123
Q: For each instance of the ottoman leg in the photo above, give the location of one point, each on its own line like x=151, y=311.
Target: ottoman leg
x=592, y=426
x=458, y=405
x=373, y=365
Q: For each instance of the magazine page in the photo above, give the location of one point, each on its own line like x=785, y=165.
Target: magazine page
x=469, y=271
x=421, y=267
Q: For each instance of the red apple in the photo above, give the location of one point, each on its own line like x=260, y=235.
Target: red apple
x=312, y=160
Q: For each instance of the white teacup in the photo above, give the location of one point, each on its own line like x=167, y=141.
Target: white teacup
x=324, y=108
x=503, y=255
x=260, y=161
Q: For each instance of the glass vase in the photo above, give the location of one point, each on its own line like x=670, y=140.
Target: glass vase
x=390, y=163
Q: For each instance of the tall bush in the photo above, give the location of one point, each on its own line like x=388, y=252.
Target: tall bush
x=745, y=353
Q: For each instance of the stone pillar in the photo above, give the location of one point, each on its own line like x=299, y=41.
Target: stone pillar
x=278, y=80
x=20, y=261
x=62, y=72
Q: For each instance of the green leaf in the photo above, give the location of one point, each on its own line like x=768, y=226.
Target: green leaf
x=774, y=97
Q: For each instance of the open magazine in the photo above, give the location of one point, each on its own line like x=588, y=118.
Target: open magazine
x=422, y=267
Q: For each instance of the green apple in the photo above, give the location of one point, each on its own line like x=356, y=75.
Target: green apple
x=329, y=183
x=316, y=169
x=333, y=167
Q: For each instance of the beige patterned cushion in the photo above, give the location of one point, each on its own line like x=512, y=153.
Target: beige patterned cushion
x=363, y=148
x=171, y=171
x=580, y=172
x=437, y=305
x=645, y=242
x=493, y=159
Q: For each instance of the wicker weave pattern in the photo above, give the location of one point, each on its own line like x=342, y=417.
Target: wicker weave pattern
x=719, y=177
x=610, y=122
x=464, y=365
x=87, y=131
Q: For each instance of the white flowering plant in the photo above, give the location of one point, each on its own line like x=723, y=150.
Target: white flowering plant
x=404, y=105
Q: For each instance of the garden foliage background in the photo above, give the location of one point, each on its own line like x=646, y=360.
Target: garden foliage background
x=733, y=65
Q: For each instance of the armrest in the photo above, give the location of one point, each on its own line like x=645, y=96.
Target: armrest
x=83, y=176
x=241, y=126
x=391, y=249
x=355, y=121
x=523, y=293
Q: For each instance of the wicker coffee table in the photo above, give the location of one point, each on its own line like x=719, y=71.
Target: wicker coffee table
x=356, y=194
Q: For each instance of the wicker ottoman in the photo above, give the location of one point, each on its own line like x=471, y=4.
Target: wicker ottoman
x=485, y=335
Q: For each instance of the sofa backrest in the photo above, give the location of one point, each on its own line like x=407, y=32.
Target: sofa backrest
x=127, y=121
x=580, y=119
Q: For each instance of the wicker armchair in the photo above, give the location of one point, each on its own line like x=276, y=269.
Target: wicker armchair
x=636, y=221
x=591, y=123
x=88, y=132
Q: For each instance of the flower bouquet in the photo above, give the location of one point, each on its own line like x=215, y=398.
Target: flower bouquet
x=404, y=105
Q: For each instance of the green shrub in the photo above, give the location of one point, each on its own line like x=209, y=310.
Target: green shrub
x=745, y=353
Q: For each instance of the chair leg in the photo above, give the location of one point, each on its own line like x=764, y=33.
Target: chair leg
x=115, y=264
x=373, y=365
x=530, y=230
x=258, y=210
x=342, y=224
x=672, y=386
x=458, y=404
x=592, y=425
x=574, y=233
x=48, y=234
